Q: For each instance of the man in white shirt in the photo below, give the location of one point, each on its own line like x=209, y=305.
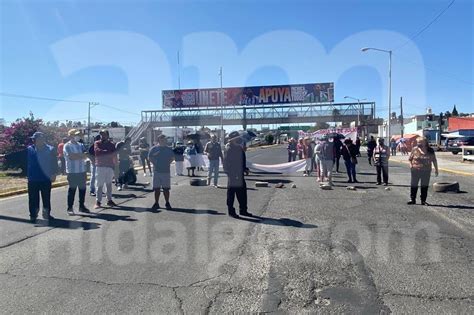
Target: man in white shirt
x=74, y=155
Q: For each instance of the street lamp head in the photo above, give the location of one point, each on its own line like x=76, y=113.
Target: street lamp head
x=365, y=49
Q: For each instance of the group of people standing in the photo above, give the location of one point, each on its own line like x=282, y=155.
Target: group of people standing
x=104, y=155
x=323, y=155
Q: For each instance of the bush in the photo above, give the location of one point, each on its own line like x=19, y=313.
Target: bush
x=17, y=136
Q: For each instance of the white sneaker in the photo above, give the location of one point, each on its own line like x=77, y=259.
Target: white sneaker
x=119, y=188
x=144, y=175
x=305, y=175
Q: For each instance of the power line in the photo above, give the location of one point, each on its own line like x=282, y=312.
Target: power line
x=40, y=98
x=118, y=109
x=426, y=27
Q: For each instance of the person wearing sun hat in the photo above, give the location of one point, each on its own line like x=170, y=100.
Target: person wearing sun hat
x=234, y=166
x=74, y=155
x=42, y=170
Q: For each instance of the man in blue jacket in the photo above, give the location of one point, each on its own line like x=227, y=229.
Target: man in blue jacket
x=42, y=170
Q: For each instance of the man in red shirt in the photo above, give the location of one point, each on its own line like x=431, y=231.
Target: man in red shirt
x=105, y=159
x=61, y=156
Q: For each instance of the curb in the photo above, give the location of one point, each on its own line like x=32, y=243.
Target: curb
x=441, y=169
x=25, y=190
x=262, y=147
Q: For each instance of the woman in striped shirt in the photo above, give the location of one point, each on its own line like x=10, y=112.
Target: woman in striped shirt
x=421, y=159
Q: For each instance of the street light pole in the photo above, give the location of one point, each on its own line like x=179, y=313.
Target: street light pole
x=222, y=109
x=389, y=134
x=389, y=52
x=358, y=108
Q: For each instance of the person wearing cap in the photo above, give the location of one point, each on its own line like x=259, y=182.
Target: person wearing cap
x=144, y=149
x=105, y=159
x=42, y=168
x=337, y=151
x=326, y=159
x=349, y=154
x=234, y=166
x=124, y=150
x=179, y=157
x=292, y=150
x=214, y=153
x=74, y=155
x=161, y=157
x=381, y=154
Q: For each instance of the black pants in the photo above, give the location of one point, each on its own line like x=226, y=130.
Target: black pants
x=63, y=164
x=34, y=190
x=291, y=157
x=382, y=169
x=76, y=181
x=370, y=154
x=336, y=161
x=239, y=190
x=124, y=166
x=422, y=176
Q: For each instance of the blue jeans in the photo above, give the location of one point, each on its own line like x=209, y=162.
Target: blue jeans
x=92, y=181
x=351, y=170
x=213, y=168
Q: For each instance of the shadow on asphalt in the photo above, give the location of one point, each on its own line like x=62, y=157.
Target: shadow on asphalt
x=127, y=196
x=107, y=217
x=452, y=206
x=139, y=189
x=196, y=211
x=134, y=209
x=56, y=223
x=278, y=222
x=271, y=181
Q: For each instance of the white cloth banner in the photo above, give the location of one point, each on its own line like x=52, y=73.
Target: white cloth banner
x=283, y=168
x=350, y=133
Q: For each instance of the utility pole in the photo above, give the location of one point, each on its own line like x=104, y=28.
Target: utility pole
x=91, y=104
x=402, y=124
x=179, y=74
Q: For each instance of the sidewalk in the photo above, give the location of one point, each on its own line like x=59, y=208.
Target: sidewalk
x=447, y=162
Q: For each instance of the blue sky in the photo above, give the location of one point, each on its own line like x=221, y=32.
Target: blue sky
x=123, y=53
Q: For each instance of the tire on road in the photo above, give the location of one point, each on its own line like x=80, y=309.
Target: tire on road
x=445, y=187
x=198, y=182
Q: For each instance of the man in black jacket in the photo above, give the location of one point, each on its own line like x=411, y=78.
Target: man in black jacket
x=234, y=166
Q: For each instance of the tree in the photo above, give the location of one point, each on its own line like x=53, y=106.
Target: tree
x=447, y=114
x=336, y=112
x=455, y=112
x=17, y=136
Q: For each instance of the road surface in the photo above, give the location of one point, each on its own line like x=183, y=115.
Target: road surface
x=340, y=251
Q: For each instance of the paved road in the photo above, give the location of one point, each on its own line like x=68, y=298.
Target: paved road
x=361, y=251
